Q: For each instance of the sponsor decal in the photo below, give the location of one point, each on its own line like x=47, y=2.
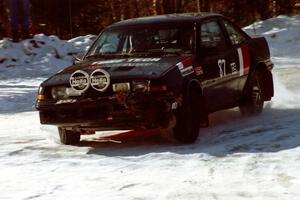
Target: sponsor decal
x=244, y=60
x=130, y=64
x=198, y=70
x=79, y=80
x=185, y=67
x=222, y=67
x=233, y=68
x=143, y=60
x=103, y=62
x=66, y=101
x=187, y=71
x=99, y=80
x=130, y=60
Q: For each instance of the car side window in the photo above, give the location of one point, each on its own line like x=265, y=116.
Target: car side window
x=212, y=36
x=235, y=36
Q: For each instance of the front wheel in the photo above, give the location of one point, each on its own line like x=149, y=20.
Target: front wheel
x=68, y=137
x=188, y=116
x=253, y=101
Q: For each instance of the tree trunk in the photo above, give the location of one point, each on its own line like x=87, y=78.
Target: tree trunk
x=198, y=6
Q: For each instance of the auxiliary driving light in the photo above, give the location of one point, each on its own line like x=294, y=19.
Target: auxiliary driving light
x=121, y=87
x=141, y=86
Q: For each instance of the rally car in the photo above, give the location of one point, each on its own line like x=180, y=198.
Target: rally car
x=167, y=72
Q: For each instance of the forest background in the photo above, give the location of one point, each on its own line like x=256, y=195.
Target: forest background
x=71, y=18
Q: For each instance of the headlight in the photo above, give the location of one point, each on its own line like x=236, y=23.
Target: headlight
x=141, y=86
x=72, y=92
x=59, y=93
x=64, y=92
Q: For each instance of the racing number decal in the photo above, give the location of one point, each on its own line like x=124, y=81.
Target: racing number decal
x=222, y=67
x=244, y=63
x=244, y=60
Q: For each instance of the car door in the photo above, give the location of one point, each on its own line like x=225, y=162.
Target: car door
x=219, y=64
x=239, y=41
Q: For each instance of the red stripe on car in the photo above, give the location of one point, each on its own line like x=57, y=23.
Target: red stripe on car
x=246, y=58
x=187, y=62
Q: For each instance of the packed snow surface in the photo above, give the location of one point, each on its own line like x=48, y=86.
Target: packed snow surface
x=236, y=158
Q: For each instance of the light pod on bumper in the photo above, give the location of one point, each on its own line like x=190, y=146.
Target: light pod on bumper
x=100, y=80
x=141, y=86
x=121, y=87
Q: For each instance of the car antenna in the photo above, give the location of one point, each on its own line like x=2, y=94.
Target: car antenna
x=254, y=25
x=254, y=28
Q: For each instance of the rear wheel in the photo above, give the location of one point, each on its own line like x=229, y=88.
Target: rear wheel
x=253, y=100
x=68, y=137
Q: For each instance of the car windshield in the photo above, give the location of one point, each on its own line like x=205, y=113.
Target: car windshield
x=156, y=40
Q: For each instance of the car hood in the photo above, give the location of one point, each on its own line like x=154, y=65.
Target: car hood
x=123, y=68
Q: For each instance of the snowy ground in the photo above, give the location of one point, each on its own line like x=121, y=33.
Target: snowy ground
x=236, y=158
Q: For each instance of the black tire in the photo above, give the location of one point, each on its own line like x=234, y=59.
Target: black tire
x=68, y=137
x=188, y=116
x=253, y=101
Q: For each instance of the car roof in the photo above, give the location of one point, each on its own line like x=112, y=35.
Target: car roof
x=169, y=18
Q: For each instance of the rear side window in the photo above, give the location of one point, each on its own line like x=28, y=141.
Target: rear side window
x=235, y=35
x=212, y=36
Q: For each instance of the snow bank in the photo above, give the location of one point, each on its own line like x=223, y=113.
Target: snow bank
x=40, y=56
x=283, y=36
x=24, y=65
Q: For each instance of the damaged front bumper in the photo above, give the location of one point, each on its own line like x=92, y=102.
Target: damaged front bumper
x=118, y=111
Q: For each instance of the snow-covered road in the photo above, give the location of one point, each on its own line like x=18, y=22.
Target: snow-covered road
x=236, y=158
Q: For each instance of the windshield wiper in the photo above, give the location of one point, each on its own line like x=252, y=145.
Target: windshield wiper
x=96, y=56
